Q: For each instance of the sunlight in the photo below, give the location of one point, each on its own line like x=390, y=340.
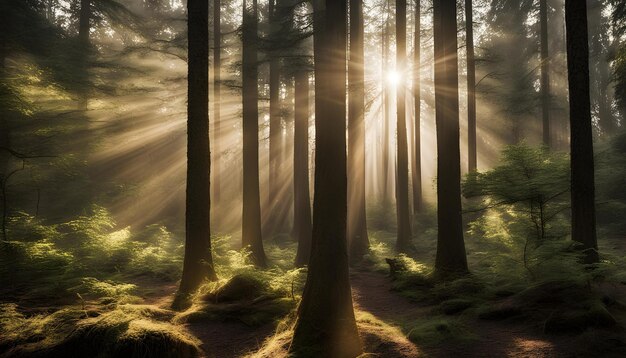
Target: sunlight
x=393, y=78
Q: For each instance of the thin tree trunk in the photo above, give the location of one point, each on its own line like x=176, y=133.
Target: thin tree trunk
x=326, y=326
x=545, y=73
x=198, y=261
x=451, y=257
x=302, y=198
x=472, y=155
x=583, y=188
x=386, y=200
x=275, y=146
x=84, y=21
x=417, y=95
x=404, y=234
x=251, y=218
x=217, y=76
x=357, y=225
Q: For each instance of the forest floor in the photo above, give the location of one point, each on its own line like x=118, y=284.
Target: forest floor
x=373, y=295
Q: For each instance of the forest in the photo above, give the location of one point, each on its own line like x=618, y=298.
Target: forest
x=323, y=178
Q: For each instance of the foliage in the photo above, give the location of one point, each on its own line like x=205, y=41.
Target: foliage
x=125, y=330
x=86, y=255
x=525, y=199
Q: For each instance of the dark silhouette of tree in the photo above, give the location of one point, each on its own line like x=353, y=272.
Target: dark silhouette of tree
x=417, y=96
x=451, y=257
x=326, y=326
x=545, y=73
x=302, y=198
x=217, y=95
x=403, y=241
x=198, y=262
x=472, y=155
x=275, y=139
x=583, y=188
x=357, y=223
x=251, y=220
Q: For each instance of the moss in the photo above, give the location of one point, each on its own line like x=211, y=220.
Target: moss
x=437, y=330
x=238, y=288
x=455, y=306
x=127, y=331
x=578, y=320
x=252, y=313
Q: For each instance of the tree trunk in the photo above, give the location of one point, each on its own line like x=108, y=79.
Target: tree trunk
x=582, y=190
x=198, y=262
x=275, y=146
x=386, y=200
x=357, y=225
x=545, y=73
x=404, y=234
x=251, y=219
x=472, y=155
x=417, y=89
x=451, y=258
x=326, y=326
x=302, y=198
x=217, y=124
x=83, y=23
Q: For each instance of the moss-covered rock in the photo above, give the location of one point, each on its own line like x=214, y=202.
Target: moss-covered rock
x=578, y=320
x=238, y=288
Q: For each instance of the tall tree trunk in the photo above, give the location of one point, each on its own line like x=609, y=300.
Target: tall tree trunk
x=404, y=234
x=84, y=29
x=198, y=261
x=84, y=21
x=251, y=219
x=545, y=73
x=357, y=225
x=472, y=155
x=275, y=137
x=326, y=326
x=302, y=198
x=217, y=77
x=417, y=96
x=451, y=258
x=386, y=197
x=583, y=188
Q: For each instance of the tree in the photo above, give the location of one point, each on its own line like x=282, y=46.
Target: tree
x=357, y=224
x=326, y=326
x=84, y=21
x=472, y=159
x=417, y=96
x=402, y=171
x=198, y=261
x=545, y=73
x=583, y=188
x=275, y=139
x=302, y=198
x=217, y=124
x=251, y=220
x=451, y=258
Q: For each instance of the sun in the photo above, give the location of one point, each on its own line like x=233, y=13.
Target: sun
x=393, y=78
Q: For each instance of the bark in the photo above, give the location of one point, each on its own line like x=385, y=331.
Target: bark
x=198, y=261
x=275, y=137
x=326, y=326
x=251, y=218
x=84, y=21
x=472, y=155
x=385, y=193
x=357, y=225
x=545, y=73
x=302, y=198
x=217, y=124
x=404, y=234
x=582, y=189
x=451, y=257
x=417, y=89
